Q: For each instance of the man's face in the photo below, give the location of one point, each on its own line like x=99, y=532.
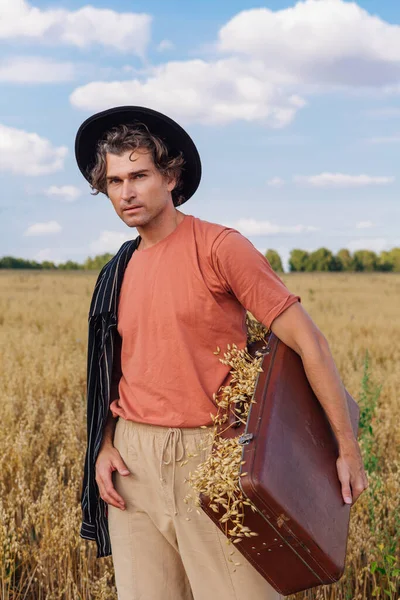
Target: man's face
x=136, y=182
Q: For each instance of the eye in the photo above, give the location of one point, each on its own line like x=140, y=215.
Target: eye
x=140, y=175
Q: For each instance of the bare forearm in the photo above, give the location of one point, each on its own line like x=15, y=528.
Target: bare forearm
x=109, y=428
x=327, y=385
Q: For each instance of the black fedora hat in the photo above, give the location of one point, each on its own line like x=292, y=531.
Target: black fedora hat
x=175, y=137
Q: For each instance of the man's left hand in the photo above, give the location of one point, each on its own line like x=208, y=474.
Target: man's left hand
x=351, y=473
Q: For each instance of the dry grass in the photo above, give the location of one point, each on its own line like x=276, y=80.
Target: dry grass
x=43, y=329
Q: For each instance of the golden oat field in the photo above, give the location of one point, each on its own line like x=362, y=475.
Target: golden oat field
x=43, y=334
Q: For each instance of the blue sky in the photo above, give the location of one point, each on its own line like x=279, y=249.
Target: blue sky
x=294, y=107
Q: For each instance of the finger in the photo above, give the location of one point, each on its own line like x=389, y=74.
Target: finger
x=344, y=478
x=346, y=490
x=112, y=502
x=115, y=499
x=121, y=466
x=358, y=489
x=347, y=496
x=112, y=493
x=109, y=493
x=104, y=496
x=109, y=498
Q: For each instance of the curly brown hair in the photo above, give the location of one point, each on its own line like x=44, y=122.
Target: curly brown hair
x=136, y=136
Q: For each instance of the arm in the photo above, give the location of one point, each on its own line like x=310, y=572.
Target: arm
x=109, y=458
x=108, y=433
x=109, y=428
x=297, y=330
x=249, y=276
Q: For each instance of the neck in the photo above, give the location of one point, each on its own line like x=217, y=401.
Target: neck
x=158, y=229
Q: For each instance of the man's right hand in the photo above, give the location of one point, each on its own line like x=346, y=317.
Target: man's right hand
x=109, y=460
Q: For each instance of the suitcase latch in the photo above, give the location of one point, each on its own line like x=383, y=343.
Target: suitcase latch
x=245, y=439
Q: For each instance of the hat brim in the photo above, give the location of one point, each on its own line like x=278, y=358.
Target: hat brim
x=175, y=137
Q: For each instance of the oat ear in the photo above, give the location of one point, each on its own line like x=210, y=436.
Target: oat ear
x=218, y=476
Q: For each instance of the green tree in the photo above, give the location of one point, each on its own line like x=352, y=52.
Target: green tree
x=383, y=262
x=321, y=260
x=7, y=262
x=298, y=260
x=395, y=258
x=391, y=257
x=345, y=259
x=97, y=262
x=10, y=262
x=70, y=266
x=274, y=260
x=365, y=260
x=47, y=264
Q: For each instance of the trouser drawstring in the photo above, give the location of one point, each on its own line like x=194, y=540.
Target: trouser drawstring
x=172, y=440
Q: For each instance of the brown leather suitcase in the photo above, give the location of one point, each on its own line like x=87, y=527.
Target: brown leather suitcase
x=290, y=452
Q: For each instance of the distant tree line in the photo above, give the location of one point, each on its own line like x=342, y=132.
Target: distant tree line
x=325, y=260
x=299, y=260
x=90, y=264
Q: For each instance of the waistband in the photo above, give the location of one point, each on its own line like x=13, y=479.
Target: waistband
x=161, y=430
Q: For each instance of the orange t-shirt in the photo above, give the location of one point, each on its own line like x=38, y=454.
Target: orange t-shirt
x=179, y=300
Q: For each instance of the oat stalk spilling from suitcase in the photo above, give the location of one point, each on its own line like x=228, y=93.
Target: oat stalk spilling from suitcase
x=218, y=476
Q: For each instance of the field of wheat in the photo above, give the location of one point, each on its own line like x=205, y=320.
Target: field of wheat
x=43, y=329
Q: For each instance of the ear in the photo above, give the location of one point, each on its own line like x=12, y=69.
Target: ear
x=171, y=183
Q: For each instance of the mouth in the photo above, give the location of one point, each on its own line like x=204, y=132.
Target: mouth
x=132, y=209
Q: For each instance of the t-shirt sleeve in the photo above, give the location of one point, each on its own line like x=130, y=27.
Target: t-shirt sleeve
x=248, y=275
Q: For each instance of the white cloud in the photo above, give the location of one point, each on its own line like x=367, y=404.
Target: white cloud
x=276, y=182
x=31, y=69
x=68, y=193
x=127, y=32
x=341, y=180
x=26, y=153
x=198, y=91
x=165, y=45
x=43, y=228
x=316, y=43
x=389, y=139
x=254, y=227
x=364, y=224
x=111, y=241
x=324, y=42
x=47, y=254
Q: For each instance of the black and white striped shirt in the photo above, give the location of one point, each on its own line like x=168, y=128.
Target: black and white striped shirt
x=102, y=328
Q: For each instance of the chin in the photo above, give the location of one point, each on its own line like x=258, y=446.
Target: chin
x=135, y=220
x=131, y=221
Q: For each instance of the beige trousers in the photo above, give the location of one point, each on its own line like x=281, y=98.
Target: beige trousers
x=160, y=550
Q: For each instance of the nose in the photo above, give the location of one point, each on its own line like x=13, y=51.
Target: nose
x=128, y=190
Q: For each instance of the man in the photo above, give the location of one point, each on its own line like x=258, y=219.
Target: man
x=160, y=308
